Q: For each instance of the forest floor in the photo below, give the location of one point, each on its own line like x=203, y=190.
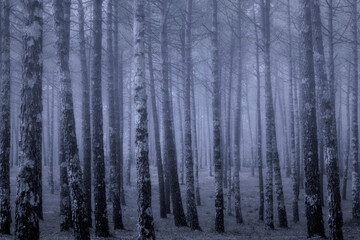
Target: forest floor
x=252, y=228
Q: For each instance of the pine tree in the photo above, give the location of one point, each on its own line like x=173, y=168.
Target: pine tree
x=5, y=138
x=28, y=192
x=113, y=125
x=67, y=121
x=192, y=215
x=354, y=115
x=155, y=116
x=238, y=213
x=315, y=225
x=168, y=123
x=219, y=198
x=145, y=217
x=86, y=131
x=328, y=131
x=101, y=221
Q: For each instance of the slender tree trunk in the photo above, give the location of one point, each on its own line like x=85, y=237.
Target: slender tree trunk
x=348, y=136
x=50, y=136
x=328, y=130
x=354, y=118
x=238, y=130
x=130, y=144
x=113, y=125
x=192, y=215
x=67, y=122
x=228, y=129
x=86, y=137
x=258, y=124
x=295, y=170
x=219, y=198
x=145, y=219
x=169, y=138
x=28, y=182
x=272, y=154
x=315, y=224
x=5, y=116
x=101, y=221
x=156, y=125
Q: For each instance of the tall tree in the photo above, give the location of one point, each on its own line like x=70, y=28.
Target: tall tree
x=67, y=121
x=86, y=131
x=192, y=215
x=169, y=138
x=28, y=193
x=258, y=124
x=101, y=221
x=237, y=135
x=354, y=116
x=113, y=125
x=272, y=155
x=159, y=163
x=5, y=138
x=145, y=217
x=315, y=225
x=219, y=198
x=328, y=128
x=295, y=187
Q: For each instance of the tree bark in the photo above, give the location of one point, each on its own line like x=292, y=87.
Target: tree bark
x=28, y=182
x=145, y=217
x=169, y=138
x=328, y=130
x=5, y=116
x=315, y=224
x=219, y=198
x=101, y=221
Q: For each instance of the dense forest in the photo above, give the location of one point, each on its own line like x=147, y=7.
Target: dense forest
x=190, y=119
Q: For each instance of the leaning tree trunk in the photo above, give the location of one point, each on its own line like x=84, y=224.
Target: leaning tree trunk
x=145, y=221
x=113, y=125
x=28, y=182
x=328, y=130
x=315, y=224
x=67, y=122
x=101, y=221
x=169, y=138
x=192, y=215
x=86, y=131
x=354, y=117
x=159, y=163
x=5, y=137
x=219, y=198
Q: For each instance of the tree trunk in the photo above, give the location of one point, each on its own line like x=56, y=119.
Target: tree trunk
x=219, y=198
x=156, y=125
x=328, y=130
x=67, y=122
x=315, y=224
x=293, y=160
x=238, y=130
x=28, y=188
x=5, y=135
x=169, y=138
x=86, y=131
x=145, y=218
x=101, y=221
x=113, y=125
x=258, y=124
x=354, y=118
x=192, y=215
